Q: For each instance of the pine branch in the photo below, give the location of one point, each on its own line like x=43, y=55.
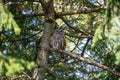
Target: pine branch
x=83, y=11
x=81, y=59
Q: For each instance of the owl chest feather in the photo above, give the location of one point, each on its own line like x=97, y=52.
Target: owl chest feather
x=57, y=42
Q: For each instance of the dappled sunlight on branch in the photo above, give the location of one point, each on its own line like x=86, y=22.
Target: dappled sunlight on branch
x=81, y=59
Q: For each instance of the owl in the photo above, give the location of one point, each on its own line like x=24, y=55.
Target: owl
x=57, y=41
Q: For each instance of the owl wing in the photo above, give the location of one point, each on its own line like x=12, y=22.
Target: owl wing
x=63, y=43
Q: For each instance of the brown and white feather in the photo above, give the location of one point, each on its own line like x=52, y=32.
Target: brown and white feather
x=57, y=41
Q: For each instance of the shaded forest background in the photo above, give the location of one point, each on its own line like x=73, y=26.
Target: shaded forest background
x=92, y=34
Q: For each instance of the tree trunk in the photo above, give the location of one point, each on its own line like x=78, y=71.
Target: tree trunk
x=49, y=25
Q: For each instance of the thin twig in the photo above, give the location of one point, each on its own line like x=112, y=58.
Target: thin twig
x=78, y=36
x=82, y=53
x=27, y=76
x=76, y=45
x=24, y=38
x=78, y=30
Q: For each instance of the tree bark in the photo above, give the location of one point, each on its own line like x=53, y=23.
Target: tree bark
x=49, y=25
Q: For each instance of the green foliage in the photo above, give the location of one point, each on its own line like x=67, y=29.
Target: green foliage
x=19, y=38
x=117, y=58
x=98, y=36
x=114, y=37
x=7, y=20
x=11, y=66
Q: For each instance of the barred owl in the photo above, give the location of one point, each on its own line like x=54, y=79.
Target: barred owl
x=57, y=41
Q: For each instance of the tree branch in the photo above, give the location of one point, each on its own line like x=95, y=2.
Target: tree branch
x=34, y=14
x=83, y=11
x=79, y=36
x=23, y=38
x=78, y=30
x=88, y=61
x=27, y=37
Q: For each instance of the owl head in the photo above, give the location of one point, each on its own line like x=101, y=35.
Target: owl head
x=59, y=31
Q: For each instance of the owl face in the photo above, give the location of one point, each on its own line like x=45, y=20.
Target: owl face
x=59, y=31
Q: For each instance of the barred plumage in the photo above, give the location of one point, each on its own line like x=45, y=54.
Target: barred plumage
x=57, y=41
